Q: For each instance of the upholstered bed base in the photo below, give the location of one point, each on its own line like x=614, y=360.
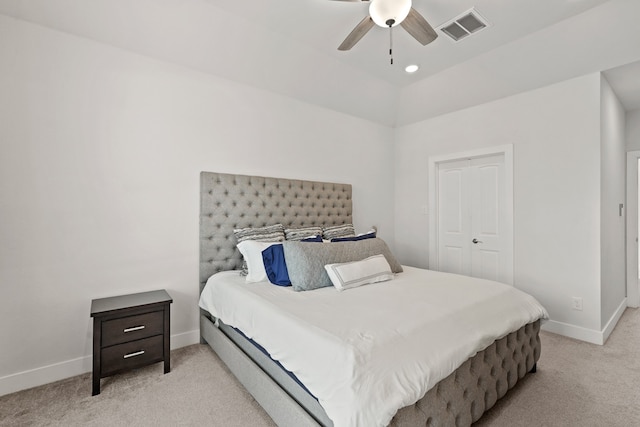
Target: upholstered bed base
x=279, y=395
x=235, y=201
x=473, y=388
x=458, y=400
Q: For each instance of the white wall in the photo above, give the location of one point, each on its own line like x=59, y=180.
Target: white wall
x=632, y=130
x=613, y=185
x=632, y=136
x=555, y=133
x=99, y=175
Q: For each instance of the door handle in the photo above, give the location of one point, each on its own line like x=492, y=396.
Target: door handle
x=476, y=241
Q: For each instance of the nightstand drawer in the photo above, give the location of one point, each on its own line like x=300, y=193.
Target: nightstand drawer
x=132, y=328
x=131, y=355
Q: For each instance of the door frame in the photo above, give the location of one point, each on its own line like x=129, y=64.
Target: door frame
x=633, y=284
x=434, y=162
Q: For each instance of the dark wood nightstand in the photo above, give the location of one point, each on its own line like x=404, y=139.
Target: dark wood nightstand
x=130, y=331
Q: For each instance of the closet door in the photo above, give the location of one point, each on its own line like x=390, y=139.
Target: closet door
x=454, y=221
x=488, y=216
x=471, y=217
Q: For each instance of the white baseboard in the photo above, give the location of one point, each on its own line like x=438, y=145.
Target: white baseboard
x=71, y=368
x=572, y=331
x=184, y=339
x=583, y=334
x=611, y=324
x=44, y=375
x=59, y=371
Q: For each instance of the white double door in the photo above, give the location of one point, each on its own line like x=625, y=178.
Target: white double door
x=472, y=218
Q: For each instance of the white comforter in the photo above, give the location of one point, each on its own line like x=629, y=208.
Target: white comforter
x=367, y=352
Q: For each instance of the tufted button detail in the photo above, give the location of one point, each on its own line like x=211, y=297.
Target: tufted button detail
x=237, y=201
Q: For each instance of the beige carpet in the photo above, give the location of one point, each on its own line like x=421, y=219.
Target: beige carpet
x=577, y=384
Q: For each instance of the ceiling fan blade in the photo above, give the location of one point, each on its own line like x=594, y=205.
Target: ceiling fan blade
x=350, y=1
x=419, y=28
x=358, y=32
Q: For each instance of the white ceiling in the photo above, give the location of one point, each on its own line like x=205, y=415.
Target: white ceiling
x=323, y=24
x=290, y=47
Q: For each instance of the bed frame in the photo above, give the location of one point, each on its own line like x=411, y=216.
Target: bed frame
x=235, y=201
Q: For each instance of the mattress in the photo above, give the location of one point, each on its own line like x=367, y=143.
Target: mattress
x=367, y=352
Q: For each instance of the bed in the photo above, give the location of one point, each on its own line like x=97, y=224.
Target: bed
x=230, y=202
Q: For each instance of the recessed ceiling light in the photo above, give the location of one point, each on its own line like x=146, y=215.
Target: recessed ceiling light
x=411, y=68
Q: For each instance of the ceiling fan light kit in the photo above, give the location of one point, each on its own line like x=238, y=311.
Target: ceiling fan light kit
x=389, y=13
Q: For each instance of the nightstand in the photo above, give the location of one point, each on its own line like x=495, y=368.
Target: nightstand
x=130, y=331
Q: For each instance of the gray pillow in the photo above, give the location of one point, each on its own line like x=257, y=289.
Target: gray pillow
x=306, y=261
x=302, y=233
x=270, y=233
x=335, y=231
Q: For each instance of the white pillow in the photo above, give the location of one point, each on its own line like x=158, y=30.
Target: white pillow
x=349, y=275
x=251, y=250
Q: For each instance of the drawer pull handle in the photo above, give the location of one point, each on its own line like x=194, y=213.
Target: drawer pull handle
x=135, y=328
x=137, y=353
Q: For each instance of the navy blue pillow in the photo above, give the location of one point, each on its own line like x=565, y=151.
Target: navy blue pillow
x=371, y=235
x=275, y=266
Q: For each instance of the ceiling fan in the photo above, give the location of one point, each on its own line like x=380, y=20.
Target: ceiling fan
x=388, y=14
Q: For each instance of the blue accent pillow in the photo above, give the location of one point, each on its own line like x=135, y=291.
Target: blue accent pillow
x=275, y=265
x=371, y=235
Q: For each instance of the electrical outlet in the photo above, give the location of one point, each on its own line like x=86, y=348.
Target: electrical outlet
x=576, y=303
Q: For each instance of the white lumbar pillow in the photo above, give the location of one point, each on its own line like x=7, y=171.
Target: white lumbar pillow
x=349, y=275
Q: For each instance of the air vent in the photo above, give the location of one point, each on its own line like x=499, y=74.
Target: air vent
x=464, y=25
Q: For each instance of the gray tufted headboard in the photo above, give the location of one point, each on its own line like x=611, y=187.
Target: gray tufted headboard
x=230, y=201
